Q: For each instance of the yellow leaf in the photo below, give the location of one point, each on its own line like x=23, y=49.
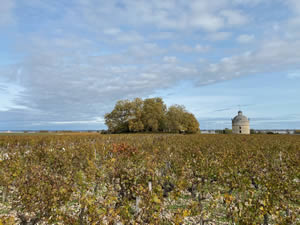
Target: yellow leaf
x=111, y=211
x=63, y=190
x=156, y=200
x=186, y=213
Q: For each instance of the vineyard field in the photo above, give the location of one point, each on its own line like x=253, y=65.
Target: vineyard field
x=149, y=179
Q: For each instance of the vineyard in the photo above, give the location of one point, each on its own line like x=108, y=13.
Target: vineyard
x=149, y=179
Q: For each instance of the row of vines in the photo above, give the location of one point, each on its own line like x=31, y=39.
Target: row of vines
x=149, y=179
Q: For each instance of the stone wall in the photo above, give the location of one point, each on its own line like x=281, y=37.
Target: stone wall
x=241, y=129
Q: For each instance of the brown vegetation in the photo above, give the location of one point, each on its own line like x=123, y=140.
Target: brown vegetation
x=149, y=179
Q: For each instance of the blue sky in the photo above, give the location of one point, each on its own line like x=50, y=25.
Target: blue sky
x=64, y=64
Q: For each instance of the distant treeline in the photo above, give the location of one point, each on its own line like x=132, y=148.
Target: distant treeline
x=150, y=115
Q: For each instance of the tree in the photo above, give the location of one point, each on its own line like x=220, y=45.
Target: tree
x=150, y=115
x=175, y=118
x=179, y=120
x=154, y=114
x=227, y=131
x=118, y=120
x=191, y=123
x=135, y=123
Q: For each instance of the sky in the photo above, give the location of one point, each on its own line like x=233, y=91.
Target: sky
x=65, y=63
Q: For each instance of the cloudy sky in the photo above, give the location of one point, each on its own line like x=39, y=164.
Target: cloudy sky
x=65, y=63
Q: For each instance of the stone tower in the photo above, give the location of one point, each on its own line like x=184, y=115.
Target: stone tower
x=240, y=124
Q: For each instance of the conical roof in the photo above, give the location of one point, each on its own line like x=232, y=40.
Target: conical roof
x=240, y=118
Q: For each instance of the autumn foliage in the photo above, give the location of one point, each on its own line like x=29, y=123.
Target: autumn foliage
x=150, y=115
x=149, y=179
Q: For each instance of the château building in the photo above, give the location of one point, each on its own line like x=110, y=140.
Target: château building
x=240, y=124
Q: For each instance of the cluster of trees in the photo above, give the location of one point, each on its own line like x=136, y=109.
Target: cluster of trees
x=150, y=115
x=225, y=131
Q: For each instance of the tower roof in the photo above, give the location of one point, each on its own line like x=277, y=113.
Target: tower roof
x=240, y=118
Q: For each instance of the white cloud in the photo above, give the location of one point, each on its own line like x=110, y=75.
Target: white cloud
x=163, y=35
x=234, y=17
x=143, y=51
x=208, y=22
x=293, y=75
x=97, y=120
x=276, y=27
x=208, y=15
x=201, y=48
x=9, y=95
x=271, y=56
x=245, y=38
x=170, y=59
x=77, y=79
x=6, y=12
x=112, y=31
x=249, y=2
x=132, y=37
x=198, y=48
x=95, y=54
x=219, y=36
x=294, y=5
x=292, y=30
x=59, y=77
